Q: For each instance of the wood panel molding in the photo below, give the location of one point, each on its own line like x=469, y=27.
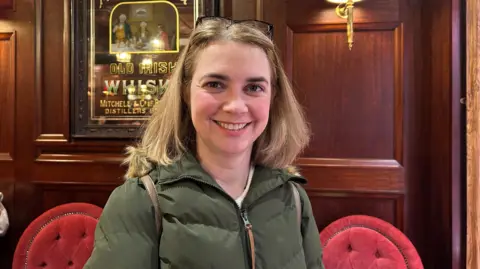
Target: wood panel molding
x=343, y=178
x=80, y=158
x=473, y=134
x=52, y=98
x=5, y=157
x=346, y=175
x=51, y=138
x=259, y=10
x=7, y=95
x=354, y=163
x=386, y=206
x=83, y=186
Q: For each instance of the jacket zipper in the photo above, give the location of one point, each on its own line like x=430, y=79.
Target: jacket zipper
x=248, y=237
x=251, y=240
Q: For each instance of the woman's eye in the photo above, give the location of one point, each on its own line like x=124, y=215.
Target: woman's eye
x=214, y=85
x=254, y=88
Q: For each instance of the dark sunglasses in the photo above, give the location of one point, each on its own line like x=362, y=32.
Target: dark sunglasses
x=264, y=27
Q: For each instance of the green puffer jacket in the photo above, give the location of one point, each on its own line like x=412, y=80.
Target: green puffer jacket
x=203, y=227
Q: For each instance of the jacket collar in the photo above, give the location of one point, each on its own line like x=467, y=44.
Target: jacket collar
x=187, y=167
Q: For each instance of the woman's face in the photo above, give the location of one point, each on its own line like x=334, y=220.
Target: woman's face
x=230, y=97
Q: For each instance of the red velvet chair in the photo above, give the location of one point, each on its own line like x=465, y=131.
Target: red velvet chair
x=62, y=238
x=364, y=242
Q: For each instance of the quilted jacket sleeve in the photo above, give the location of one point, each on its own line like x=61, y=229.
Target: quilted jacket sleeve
x=311, y=237
x=126, y=236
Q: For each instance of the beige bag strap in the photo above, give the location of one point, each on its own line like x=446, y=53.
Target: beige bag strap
x=298, y=205
x=152, y=193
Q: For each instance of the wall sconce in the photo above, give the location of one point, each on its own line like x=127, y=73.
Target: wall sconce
x=345, y=11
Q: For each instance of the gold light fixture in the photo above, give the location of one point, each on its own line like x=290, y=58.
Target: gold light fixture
x=345, y=11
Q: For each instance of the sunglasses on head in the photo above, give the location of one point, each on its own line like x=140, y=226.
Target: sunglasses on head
x=263, y=26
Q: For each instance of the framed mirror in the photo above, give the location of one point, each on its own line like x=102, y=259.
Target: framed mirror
x=122, y=55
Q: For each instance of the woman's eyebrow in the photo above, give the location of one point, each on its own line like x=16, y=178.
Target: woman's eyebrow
x=227, y=78
x=257, y=79
x=215, y=75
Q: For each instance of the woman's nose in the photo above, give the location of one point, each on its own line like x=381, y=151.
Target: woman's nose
x=235, y=102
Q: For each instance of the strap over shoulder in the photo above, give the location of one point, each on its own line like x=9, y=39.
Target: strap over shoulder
x=298, y=204
x=152, y=193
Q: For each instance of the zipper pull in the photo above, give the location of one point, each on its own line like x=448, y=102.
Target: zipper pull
x=247, y=223
x=251, y=240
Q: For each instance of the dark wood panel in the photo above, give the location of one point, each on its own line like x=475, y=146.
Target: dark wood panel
x=20, y=21
x=57, y=193
x=52, y=69
x=7, y=4
x=349, y=174
x=78, y=172
x=388, y=207
x=350, y=97
x=444, y=75
x=46, y=194
x=244, y=9
x=323, y=12
x=7, y=96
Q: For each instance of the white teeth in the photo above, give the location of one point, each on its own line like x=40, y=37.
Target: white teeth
x=233, y=127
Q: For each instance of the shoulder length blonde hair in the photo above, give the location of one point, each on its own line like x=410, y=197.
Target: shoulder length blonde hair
x=169, y=132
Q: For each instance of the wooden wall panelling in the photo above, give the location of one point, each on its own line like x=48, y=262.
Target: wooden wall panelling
x=387, y=206
x=415, y=135
x=244, y=9
x=56, y=154
x=357, y=130
x=361, y=112
x=7, y=104
x=323, y=12
x=458, y=135
x=473, y=135
x=365, y=107
x=16, y=115
x=50, y=194
x=7, y=130
x=52, y=87
x=7, y=5
x=349, y=174
x=442, y=47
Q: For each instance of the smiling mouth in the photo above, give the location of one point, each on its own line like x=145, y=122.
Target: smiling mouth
x=232, y=126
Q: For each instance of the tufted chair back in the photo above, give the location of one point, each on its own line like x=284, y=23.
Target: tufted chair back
x=364, y=242
x=62, y=237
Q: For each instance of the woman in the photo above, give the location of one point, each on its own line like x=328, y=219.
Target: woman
x=217, y=147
